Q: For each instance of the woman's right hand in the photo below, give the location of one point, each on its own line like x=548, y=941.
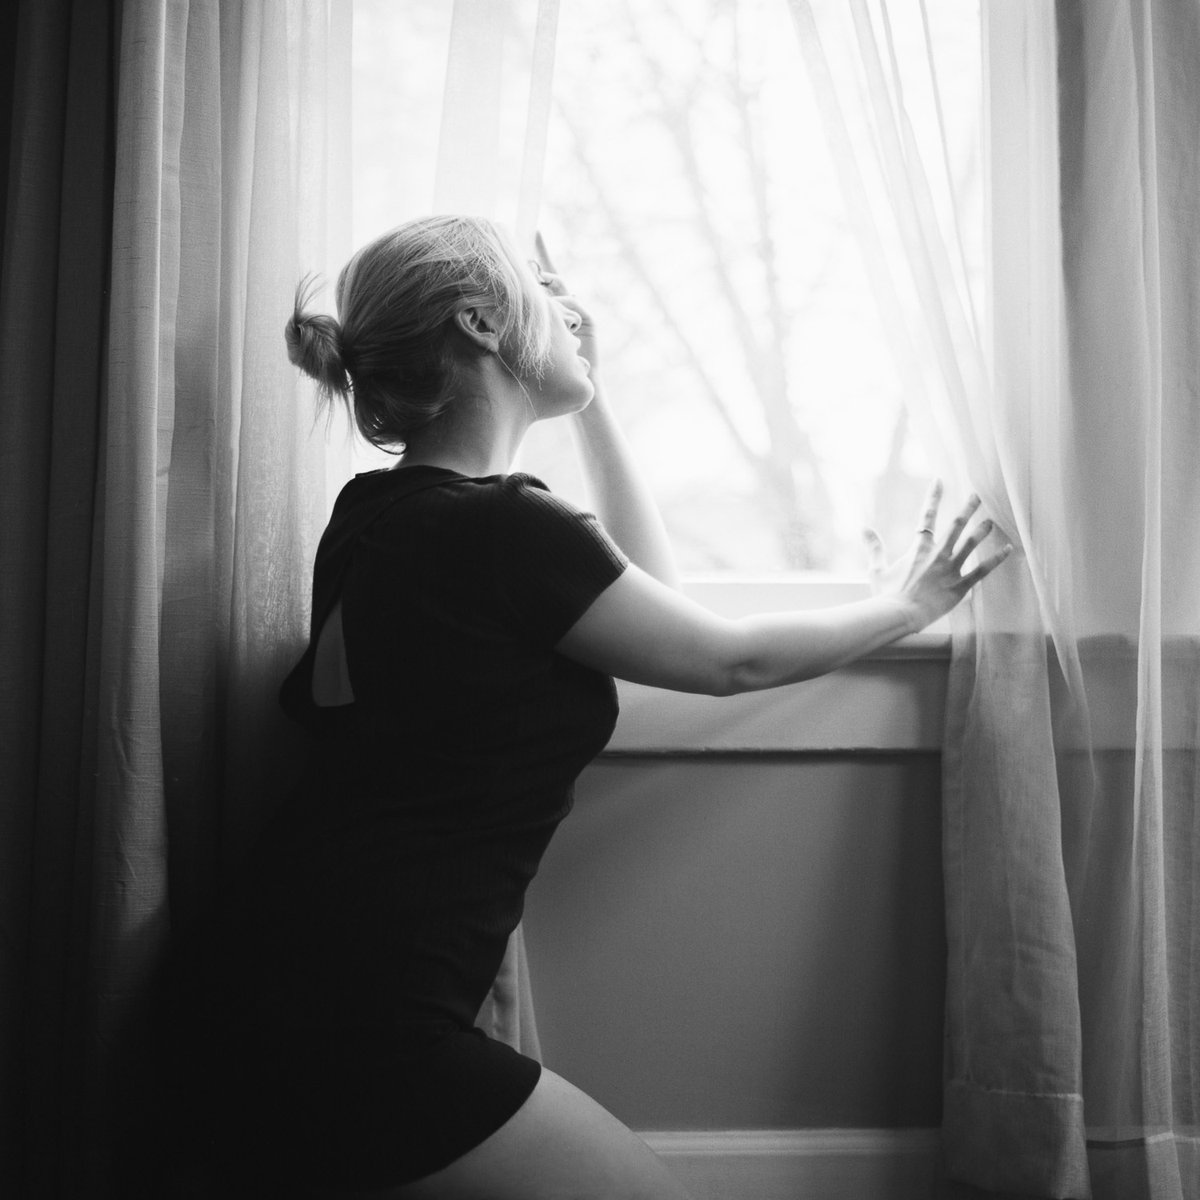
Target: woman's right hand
x=931, y=579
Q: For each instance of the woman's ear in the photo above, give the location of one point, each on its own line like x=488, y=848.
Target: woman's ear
x=480, y=327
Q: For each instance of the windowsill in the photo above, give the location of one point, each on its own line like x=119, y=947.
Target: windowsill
x=891, y=701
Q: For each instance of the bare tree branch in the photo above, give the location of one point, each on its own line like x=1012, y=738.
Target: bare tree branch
x=789, y=474
x=636, y=262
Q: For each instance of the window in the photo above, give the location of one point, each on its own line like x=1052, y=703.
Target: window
x=690, y=198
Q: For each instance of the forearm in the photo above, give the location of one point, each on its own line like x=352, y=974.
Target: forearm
x=778, y=648
x=619, y=494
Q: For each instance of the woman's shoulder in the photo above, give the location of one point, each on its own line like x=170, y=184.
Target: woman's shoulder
x=442, y=488
x=523, y=500
x=422, y=475
x=400, y=504
x=527, y=492
x=501, y=512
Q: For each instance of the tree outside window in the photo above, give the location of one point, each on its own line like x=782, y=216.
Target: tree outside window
x=690, y=200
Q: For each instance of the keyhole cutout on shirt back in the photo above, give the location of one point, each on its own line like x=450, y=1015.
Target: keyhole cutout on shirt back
x=330, y=676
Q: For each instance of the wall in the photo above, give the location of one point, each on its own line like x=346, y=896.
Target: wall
x=751, y=938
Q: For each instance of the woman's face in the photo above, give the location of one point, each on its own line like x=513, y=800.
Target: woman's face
x=564, y=385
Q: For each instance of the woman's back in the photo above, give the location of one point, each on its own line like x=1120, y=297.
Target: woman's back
x=431, y=798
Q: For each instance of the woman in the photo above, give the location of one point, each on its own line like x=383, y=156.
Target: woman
x=466, y=625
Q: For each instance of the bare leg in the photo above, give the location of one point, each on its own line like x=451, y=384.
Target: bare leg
x=560, y=1145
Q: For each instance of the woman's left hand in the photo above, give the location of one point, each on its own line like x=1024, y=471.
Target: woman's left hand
x=585, y=331
x=934, y=579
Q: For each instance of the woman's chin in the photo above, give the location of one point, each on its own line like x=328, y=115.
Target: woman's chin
x=588, y=393
x=579, y=398
x=565, y=401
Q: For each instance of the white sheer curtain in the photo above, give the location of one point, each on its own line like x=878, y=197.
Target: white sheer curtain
x=231, y=182
x=491, y=153
x=1070, y=764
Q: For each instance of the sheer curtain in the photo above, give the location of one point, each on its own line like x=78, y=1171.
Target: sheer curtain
x=1070, y=768
x=162, y=584
x=231, y=181
x=491, y=153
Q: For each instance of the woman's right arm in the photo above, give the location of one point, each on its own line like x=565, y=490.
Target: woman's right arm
x=640, y=630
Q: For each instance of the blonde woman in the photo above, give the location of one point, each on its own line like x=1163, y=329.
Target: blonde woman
x=466, y=628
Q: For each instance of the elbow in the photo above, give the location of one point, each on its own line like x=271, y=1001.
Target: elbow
x=721, y=684
x=735, y=668
x=757, y=674
x=735, y=677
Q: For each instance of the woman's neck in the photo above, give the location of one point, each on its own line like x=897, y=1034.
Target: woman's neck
x=478, y=434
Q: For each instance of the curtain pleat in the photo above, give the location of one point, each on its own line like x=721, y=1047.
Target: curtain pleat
x=128, y=902
x=467, y=178
x=491, y=156
x=52, y=312
x=199, y=502
x=1014, y=1118
x=496, y=112
x=1130, y=106
x=152, y=597
x=537, y=121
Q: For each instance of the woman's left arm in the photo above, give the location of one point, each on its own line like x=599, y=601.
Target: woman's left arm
x=616, y=488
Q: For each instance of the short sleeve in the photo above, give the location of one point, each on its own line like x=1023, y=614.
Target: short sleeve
x=551, y=560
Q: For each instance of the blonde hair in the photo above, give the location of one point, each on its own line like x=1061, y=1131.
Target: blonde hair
x=392, y=354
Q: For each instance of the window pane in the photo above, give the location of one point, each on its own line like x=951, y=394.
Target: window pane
x=690, y=200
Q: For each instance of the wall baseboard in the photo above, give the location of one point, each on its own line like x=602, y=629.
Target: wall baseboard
x=813, y=1164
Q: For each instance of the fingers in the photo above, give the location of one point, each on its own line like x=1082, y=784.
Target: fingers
x=960, y=523
x=557, y=288
x=553, y=282
x=576, y=314
x=967, y=548
x=985, y=568
x=958, y=555
x=548, y=276
x=876, y=557
x=929, y=512
x=548, y=279
x=539, y=245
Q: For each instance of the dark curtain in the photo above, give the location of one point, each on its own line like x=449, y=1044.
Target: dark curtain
x=59, y=97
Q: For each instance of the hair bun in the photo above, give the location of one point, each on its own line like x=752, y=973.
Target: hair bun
x=314, y=342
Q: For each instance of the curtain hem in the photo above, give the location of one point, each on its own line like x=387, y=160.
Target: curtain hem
x=1016, y=1141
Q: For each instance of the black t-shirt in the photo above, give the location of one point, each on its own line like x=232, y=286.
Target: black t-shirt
x=383, y=895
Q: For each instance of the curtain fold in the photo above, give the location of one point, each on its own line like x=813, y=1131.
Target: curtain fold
x=1130, y=107
x=233, y=182
x=163, y=492
x=1014, y=1113
x=1070, y=768
x=490, y=160
x=496, y=112
x=52, y=313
